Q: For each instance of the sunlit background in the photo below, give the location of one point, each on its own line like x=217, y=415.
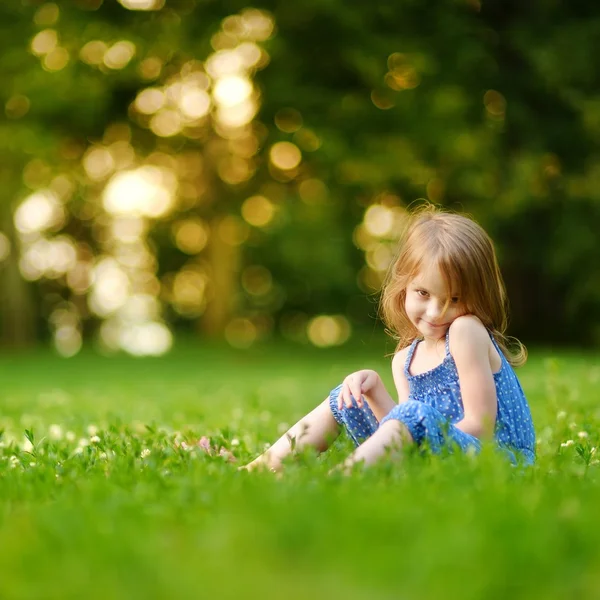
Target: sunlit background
x=171, y=169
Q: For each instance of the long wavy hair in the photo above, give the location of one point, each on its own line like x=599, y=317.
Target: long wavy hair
x=465, y=256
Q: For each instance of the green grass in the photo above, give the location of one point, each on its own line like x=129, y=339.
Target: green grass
x=85, y=517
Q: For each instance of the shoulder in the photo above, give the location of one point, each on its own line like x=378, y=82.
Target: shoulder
x=468, y=333
x=398, y=374
x=399, y=358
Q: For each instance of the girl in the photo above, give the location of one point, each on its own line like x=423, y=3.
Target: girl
x=444, y=300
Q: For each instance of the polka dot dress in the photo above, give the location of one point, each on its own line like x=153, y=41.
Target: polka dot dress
x=435, y=404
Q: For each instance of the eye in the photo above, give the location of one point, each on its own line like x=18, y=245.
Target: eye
x=423, y=293
x=454, y=300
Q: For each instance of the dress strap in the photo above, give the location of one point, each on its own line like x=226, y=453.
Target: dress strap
x=448, y=342
x=499, y=350
x=411, y=351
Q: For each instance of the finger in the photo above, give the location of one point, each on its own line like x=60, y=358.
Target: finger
x=348, y=396
x=342, y=396
x=357, y=393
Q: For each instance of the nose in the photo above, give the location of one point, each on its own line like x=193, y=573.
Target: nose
x=434, y=310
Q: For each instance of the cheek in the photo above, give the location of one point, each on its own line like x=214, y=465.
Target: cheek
x=411, y=304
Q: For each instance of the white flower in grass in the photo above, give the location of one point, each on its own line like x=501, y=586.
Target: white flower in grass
x=55, y=432
x=83, y=442
x=70, y=436
x=95, y=439
x=13, y=461
x=567, y=444
x=92, y=430
x=235, y=442
x=145, y=453
x=593, y=451
x=582, y=435
x=103, y=456
x=27, y=445
x=561, y=415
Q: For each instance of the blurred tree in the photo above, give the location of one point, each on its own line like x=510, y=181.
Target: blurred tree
x=248, y=169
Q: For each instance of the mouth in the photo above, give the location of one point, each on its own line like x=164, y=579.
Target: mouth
x=435, y=326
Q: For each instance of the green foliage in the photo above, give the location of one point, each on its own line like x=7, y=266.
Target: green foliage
x=489, y=107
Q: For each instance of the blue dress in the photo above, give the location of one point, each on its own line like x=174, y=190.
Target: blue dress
x=435, y=405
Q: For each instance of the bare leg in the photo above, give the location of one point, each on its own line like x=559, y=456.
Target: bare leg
x=391, y=435
x=317, y=430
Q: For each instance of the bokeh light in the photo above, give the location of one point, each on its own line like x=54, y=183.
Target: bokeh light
x=232, y=230
x=232, y=90
x=328, y=330
x=285, y=155
x=142, y=4
x=148, y=191
x=191, y=235
x=188, y=293
x=288, y=120
x=195, y=103
x=98, y=163
x=56, y=60
x=495, y=104
x=47, y=14
x=119, y=54
x=258, y=211
x=4, y=247
x=110, y=288
x=146, y=339
x=40, y=211
x=150, y=100
x=257, y=280
x=17, y=106
x=166, y=123
x=49, y=258
x=93, y=52
x=44, y=42
x=313, y=191
x=241, y=333
x=379, y=220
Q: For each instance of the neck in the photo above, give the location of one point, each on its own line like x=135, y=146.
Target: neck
x=432, y=344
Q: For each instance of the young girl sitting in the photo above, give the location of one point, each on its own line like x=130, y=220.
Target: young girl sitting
x=444, y=300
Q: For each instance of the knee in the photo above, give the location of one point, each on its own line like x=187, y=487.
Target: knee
x=411, y=410
x=395, y=429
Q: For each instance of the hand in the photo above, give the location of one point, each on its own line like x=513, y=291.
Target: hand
x=357, y=384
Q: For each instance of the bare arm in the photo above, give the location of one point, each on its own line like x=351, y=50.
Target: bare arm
x=469, y=345
x=380, y=400
x=400, y=380
x=368, y=384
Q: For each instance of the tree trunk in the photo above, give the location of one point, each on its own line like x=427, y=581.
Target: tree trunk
x=224, y=259
x=17, y=309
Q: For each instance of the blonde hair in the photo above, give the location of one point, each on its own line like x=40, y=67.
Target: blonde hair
x=465, y=255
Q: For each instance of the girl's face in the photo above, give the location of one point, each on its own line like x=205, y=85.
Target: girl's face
x=426, y=297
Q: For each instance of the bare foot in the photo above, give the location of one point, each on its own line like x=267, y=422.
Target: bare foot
x=261, y=464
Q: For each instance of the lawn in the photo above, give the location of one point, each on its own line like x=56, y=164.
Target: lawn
x=110, y=498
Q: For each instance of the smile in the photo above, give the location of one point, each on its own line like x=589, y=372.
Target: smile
x=433, y=325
